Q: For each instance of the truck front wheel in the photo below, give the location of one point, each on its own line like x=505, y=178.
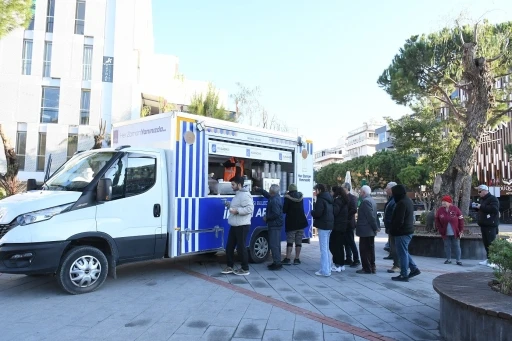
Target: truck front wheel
x=83, y=269
x=259, y=248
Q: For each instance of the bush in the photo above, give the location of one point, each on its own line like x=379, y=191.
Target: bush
x=468, y=220
x=2, y=193
x=500, y=254
x=423, y=218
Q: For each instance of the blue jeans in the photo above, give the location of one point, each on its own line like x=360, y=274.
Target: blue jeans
x=449, y=243
x=274, y=236
x=325, y=262
x=402, y=251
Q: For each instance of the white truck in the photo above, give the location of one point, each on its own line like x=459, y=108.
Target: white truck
x=145, y=198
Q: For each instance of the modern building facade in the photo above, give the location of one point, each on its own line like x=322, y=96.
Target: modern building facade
x=385, y=141
x=327, y=156
x=80, y=63
x=363, y=140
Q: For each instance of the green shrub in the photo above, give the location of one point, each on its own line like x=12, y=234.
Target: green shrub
x=2, y=193
x=423, y=218
x=500, y=254
x=468, y=220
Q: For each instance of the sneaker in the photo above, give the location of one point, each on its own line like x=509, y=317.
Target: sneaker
x=318, y=273
x=271, y=264
x=387, y=249
x=388, y=257
x=459, y=263
x=355, y=264
x=275, y=266
x=447, y=262
x=394, y=269
x=400, y=278
x=228, y=270
x=414, y=272
x=348, y=262
x=241, y=272
x=296, y=261
x=337, y=268
x=484, y=262
x=286, y=261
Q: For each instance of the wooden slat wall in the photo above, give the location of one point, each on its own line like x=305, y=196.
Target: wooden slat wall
x=492, y=161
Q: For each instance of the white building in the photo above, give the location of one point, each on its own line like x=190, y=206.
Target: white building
x=327, y=156
x=80, y=62
x=363, y=140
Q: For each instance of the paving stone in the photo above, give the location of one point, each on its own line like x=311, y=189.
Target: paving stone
x=277, y=335
x=249, y=328
x=218, y=333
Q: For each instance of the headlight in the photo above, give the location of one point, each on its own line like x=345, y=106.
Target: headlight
x=37, y=216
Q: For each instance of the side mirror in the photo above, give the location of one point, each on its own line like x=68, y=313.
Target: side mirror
x=31, y=184
x=104, y=190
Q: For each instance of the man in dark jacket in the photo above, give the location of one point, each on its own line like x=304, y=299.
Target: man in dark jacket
x=488, y=218
x=388, y=214
x=274, y=220
x=350, y=243
x=402, y=229
x=294, y=224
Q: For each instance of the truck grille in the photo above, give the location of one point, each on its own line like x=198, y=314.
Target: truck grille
x=6, y=228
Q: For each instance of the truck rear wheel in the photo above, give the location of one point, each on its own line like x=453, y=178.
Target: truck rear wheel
x=259, y=248
x=83, y=269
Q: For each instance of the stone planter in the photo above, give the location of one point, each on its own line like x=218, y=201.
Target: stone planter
x=471, y=310
x=431, y=244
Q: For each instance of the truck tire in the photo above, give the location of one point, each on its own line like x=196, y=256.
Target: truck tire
x=259, y=248
x=83, y=269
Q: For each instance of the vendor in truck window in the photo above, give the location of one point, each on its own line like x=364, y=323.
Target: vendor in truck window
x=233, y=167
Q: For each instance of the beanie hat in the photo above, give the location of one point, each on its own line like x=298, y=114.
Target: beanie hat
x=447, y=198
x=292, y=187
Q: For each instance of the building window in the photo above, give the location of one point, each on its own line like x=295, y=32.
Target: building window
x=21, y=148
x=41, y=152
x=72, y=145
x=47, y=64
x=87, y=63
x=50, y=105
x=85, y=107
x=33, y=10
x=50, y=12
x=80, y=17
x=26, y=68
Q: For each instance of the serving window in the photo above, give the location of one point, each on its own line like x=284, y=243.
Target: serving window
x=262, y=166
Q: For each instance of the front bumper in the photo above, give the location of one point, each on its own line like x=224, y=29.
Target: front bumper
x=31, y=258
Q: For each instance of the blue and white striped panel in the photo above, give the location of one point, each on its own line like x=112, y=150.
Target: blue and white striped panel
x=191, y=165
x=310, y=148
x=187, y=213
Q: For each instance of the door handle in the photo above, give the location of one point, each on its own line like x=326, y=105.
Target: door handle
x=156, y=210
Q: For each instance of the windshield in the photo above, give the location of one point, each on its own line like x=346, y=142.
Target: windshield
x=79, y=171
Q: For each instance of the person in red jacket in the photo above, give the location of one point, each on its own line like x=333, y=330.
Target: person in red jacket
x=450, y=224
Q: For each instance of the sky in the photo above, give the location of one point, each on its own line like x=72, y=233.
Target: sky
x=316, y=62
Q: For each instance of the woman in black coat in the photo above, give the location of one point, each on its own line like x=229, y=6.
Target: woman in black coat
x=337, y=238
x=294, y=223
x=323, y=220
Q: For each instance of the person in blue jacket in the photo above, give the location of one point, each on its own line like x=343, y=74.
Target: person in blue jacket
x=274, y=219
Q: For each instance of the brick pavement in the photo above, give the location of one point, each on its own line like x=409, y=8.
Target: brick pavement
x=189, y=299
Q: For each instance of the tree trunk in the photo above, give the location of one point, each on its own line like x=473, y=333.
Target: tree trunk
x=476, y=74
x=9, y=181
x=466, y=195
